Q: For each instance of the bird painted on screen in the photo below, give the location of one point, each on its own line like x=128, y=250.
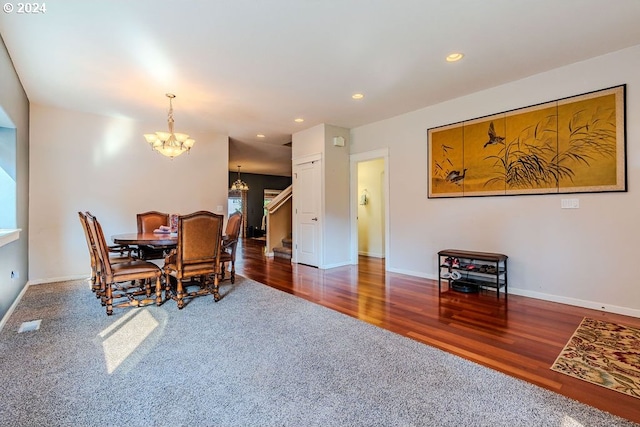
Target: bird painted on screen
x=493, y=138
x=452, y=175
x=457, y=179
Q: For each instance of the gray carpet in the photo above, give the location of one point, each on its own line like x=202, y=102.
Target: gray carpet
x=259, y=357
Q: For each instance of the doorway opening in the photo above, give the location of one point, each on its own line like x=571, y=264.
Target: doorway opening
x=237, y=202
x=370, y=206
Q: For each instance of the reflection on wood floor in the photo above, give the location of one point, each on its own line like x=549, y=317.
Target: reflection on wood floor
x=518, y=336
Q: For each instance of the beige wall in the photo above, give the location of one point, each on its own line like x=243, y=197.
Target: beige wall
x=579, y=256
x=307, y=142
x=89, y=162
x=336, y=198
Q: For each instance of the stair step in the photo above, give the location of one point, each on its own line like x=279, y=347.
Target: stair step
x=287, y=243
x=282, y=252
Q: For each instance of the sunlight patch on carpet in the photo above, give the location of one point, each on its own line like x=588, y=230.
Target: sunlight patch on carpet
x=603, y=353
x=32, y=325
x=568, y=421
x=122, y=338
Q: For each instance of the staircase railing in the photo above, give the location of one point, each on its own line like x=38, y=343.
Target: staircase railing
x=279, y=200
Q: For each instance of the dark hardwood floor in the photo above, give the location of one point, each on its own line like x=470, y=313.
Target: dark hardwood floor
x=518, y=336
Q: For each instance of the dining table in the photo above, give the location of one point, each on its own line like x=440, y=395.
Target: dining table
x=158, y=240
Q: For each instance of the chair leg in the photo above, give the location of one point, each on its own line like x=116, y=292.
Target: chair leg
x=109, y=299
x=216, y=293
x=233, y=272
x=95, y=286
x=102, y=292
x=167, y=286
x=180, y=293
x=147, y=287
x=158, y=291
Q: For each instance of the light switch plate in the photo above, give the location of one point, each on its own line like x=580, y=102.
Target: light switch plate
x=570, y=203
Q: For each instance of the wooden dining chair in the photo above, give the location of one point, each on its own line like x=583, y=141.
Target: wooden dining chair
x=117, y=253
x=229, y=244
x=147, y=222
x=129, y=281
x=195, y=262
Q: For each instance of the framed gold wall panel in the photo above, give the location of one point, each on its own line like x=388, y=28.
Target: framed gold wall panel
x=570, y=145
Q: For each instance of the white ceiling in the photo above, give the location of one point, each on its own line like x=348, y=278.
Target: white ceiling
x=245, y=67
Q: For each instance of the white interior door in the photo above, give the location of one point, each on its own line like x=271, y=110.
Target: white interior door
x=307, y=198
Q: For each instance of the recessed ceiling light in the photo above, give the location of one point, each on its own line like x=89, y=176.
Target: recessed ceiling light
x=260, y=135
x=453, y=57
x=299, y=120
x=357, y=96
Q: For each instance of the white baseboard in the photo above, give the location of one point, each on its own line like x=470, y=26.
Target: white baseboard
x=594, y=305
x=58, y=279
x=6, y=316
x=371, y=254
x=412, y=273
x=337, y=264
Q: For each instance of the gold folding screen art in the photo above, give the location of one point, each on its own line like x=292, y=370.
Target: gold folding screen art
x=570, y=145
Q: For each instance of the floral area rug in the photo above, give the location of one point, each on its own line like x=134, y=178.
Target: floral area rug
x=603, y=353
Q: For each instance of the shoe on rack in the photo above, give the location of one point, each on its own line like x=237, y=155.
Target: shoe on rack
x=447, y=262
x=455, y=263
x=455, y=275
x=446, y=275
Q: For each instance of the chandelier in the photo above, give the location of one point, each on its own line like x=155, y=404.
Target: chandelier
x=169, y=144
x=239, y=185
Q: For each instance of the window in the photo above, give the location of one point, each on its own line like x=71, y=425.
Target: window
x=8, y=202
x=235, y=202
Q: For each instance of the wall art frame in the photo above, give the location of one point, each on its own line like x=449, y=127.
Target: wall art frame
x=569, y=145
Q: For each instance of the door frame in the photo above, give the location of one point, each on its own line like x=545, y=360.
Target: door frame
x=354, y=159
